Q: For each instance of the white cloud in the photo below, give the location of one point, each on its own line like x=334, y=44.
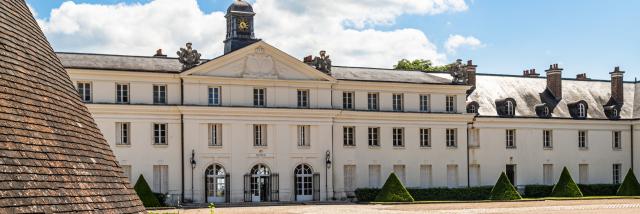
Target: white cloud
x=457, y=41
x=300, y=27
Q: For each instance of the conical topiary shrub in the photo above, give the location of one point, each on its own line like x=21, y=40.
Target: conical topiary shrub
x=504, y=190
x=566, y=187
x=393, y=191
x=144, y=192
x=630, y=185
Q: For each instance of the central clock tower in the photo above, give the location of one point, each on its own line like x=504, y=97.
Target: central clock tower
x=239, y=26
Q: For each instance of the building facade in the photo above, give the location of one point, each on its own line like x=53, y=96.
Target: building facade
x=256, y=124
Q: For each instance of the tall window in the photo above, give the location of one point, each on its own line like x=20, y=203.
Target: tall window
x=510, y=108
x=122, y=133
x=582, y=110
x=547, y=139
x=425, y=137
x=304, y=136
x=259, y=96
x=511, y=138
x=450, y=103
x=583, y=171
x=160, y=133
x=159, y=94
x=397, y=102
x=399, y=170
x=617, y=140
x=126, y=169
x=617, y=173
x=425, y=176
x=582, y=139
x=374, y=176
x=452, y=175
x=303, y=98
x=348, y=135
x=349, y=179
x=424, y=103
x=374, y=133
x=372, y=101
x=160, y=178
x=347, y=100
x=398, y=137
x=451, y=138
x=547, y=174
x=214, y=96
x=122, y=93
x=259, y=135
x=215, y=134
x=84, y=90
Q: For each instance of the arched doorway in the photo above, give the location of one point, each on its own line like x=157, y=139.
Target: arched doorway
x=303, y=182
x=261, y=185
x=216, y=184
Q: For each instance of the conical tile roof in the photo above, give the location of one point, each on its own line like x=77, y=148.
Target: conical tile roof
x=53, y=158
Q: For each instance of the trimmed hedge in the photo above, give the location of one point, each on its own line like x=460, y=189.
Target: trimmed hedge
x=566, y=187
x=504, y=190
x=143, y=190
x=630, y=185
x=537, y=191
x=393, y=191
x=540, y=191
x=433, y=194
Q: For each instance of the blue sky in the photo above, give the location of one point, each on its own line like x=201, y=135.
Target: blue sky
x=584, y=36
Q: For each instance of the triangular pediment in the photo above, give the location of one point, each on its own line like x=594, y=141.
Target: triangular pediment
x=258, y=61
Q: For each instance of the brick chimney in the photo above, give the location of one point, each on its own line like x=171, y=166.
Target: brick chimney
x=159, y=53
x=470, y=68
x=554, y=81
x=617, y=91
x=582, y=76
x=530, y=73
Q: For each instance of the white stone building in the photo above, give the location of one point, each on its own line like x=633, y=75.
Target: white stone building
x=259, y=125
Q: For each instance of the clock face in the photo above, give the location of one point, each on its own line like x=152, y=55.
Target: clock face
x=243, y=25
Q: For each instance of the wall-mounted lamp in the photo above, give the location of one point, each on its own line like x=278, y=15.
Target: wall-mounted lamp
x=328, y=159
x=193, y=159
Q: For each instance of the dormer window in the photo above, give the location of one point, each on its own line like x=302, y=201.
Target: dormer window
x=510, y=108
x=543, y=110
x=614, y=113
x=578, y=110
x=582, y=110
x=506, y=107
x=472, y=107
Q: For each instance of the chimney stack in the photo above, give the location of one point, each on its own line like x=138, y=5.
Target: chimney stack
x=617, y=90
x=530, y=73
x=554, y=81
x=471, y=73
x=582, y=76
x=159, y=53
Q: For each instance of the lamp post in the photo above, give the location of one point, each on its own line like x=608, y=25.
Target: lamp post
x=326, y=173
x=193, y=167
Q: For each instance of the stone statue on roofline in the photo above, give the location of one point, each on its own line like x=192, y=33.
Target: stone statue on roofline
x=322, y=62
x=458, y=72
x=188, y=57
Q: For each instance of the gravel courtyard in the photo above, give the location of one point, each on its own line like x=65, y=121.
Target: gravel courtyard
x=617, y=206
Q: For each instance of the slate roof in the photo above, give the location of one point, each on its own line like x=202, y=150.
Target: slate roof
x=120, y=62
x=386, y=75
x=526, y=92
x=53, y=158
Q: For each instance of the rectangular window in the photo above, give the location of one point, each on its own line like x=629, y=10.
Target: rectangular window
x=511, y=173
x=398, y=137
x=425, y=105
x=582, y=139
x=374, y=133
x=425, y=176
x=547, y=174
x=122, y=133
x=160, y=133
x=260, y=135
x=474, y=137
x=372, y=101
x=214, y=96
x=511, y=138
x=617, y=140
x=349, y=179
x=450, y=103
x=425, y=137
x=159, y=94
x=398, y=102
x=399, y=170
x=452, y=141
x=374, y=176
x=583, y=174
x=259, y=96
x=617, y=173
x=160, y=178
x=215, y=134
x=303, y=98
x=547, y=139
x=349, y=135
x=474, y=175
x=452, y=175
x=126, y=169
x=304, y=139
x=84, y=90
x=347, y=100
x=122, y=93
